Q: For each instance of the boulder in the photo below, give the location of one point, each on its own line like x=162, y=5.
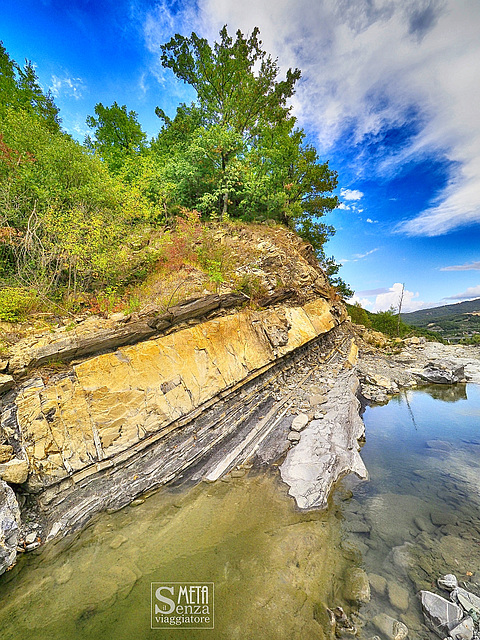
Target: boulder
x=441, y=616
x=469, y=601
x=9, y=527
x=448, y=582
x=15, y=471
x=398, y=596
x=439, y=373
x=389, y=627
x=357, y=586
x=463, y=631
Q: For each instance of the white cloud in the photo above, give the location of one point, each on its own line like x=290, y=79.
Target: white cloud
x=351, y=194
x=344, y=206
x=369, y=65
x=359, y=256
x=365, y=303
x=370, y=221
x=391, y=298
x=469, y=294
x=472, y=266
x=67, y=86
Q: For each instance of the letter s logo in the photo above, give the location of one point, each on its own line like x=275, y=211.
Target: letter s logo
x=167, y=601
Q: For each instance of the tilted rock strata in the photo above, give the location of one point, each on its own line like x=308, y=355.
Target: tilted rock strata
x=111, y=402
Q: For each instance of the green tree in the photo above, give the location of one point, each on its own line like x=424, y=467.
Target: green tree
x=20, y=89
x=118, y=134
x=237, y=89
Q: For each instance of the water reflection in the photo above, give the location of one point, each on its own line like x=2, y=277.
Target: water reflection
x=275, y=569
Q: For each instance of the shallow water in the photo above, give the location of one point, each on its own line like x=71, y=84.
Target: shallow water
x=275, y=569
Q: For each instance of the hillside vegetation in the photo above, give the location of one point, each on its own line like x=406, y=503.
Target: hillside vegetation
x=454, y=322
x=92, y=226
x=388, y=323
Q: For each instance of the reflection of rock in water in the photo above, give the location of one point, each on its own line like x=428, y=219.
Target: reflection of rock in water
x=446, y=393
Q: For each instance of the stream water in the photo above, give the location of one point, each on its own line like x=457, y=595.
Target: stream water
x=276, y=570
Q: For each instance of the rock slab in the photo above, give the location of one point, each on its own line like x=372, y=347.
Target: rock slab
x=440, y=615
x=9, y=527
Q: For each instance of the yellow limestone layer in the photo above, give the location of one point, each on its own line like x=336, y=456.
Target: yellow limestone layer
x=117, y=399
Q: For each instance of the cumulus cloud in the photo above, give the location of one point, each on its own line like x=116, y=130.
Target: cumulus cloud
x=370, y=221
x=469, y=294
x=365, y=303
x=367, y=67
x=472, y=266
x=351, y=194
x=387, y=298
x=67, y=86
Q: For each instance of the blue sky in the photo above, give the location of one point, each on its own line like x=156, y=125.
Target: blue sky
x=389, y=95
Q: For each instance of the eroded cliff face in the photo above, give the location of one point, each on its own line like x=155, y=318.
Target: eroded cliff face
x=111, y=402
x=141, y=399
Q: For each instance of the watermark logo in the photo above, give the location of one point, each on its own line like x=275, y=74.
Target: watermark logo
x=182, y=605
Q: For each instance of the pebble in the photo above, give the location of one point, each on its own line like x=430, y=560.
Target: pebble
x=30, y=538
x=117, y=541
x=299, y=422
x=137, y=502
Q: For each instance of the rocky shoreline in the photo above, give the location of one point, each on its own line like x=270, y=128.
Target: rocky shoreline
x=302, y=411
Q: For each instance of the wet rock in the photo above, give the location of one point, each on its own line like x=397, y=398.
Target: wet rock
x=378, y=583
x=439, y=445
x=299, y=422
x=398, y=596
x=357, y=586
x=440, y=615
x=390, y=627
x=9, y=527
x=357, y=526
x=440, y=518
x=423, y=524
x=6, y=383
x=117, y=541
x=63, y=574
x=448, y=582
x=463, y=631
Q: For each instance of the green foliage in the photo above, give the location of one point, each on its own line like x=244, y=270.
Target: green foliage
x=235, y=81
x=16, y=302
x=118, y=134
x=358, y=314
x=20, y=89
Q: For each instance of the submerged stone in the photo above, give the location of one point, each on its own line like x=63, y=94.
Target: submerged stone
x=390, y=627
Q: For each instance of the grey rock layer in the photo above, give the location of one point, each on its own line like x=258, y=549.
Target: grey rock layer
x=328, y=448
x=9, y=527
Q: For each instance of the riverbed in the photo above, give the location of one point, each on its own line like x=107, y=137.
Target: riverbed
x=276, y=570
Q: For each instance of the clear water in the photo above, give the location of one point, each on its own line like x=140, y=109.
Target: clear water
x=275, y=569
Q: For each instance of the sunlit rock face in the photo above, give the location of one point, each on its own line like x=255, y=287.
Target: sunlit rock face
x=111, y=402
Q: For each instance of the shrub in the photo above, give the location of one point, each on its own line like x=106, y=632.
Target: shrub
x=16, y=303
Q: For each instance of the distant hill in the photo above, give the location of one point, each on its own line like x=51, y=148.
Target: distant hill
x=452, y=321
